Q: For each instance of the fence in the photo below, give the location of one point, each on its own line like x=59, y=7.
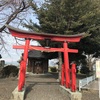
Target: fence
x=85, y=81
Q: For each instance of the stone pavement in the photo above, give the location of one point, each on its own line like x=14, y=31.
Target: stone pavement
x=43, y=87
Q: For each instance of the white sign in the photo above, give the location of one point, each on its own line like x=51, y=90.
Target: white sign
x=98, y=73
x=98, y=68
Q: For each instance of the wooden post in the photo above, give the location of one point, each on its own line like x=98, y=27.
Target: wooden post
x=23, y=66
x=66, y=65
x=73, y=73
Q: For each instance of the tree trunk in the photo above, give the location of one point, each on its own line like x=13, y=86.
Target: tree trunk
x=59, y=66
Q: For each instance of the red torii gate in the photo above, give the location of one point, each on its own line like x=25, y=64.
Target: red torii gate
x=43, y=36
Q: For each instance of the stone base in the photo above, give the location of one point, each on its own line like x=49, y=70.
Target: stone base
x=18, y=95
x=72, y=95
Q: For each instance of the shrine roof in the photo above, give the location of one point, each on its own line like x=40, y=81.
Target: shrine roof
x=36, y=54
x=40, y=36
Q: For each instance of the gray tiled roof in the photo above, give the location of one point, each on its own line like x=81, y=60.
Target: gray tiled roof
x=36, y=54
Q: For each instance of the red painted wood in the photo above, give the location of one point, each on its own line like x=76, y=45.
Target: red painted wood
x=72, y=50
x=73, y=73
x=23, y=66
x=66, y=65
x=46, y=49
x=21, y=76
x=42, y=36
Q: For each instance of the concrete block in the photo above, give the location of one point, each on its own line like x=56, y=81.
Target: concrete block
x=18, y=95
x=72, y=95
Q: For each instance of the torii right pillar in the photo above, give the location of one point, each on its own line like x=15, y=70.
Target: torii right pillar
x=66, y=70
x=66, y=65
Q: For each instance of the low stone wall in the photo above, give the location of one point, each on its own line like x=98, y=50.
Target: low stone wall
x=72, y=95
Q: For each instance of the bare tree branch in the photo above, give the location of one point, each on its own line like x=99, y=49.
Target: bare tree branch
x=21, y=8
x=11, y=10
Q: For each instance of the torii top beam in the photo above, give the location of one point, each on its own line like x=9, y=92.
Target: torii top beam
x=42, y=36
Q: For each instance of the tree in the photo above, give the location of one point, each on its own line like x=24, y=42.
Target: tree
x=71, y=17
x=9, y=10
x=12, y=12
x=66, y=16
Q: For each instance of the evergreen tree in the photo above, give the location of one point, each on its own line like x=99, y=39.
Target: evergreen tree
x=71, y=17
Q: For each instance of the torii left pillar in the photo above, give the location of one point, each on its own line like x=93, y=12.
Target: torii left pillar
x=23, y=63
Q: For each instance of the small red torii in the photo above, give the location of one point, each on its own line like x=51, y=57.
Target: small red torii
x=42, y=36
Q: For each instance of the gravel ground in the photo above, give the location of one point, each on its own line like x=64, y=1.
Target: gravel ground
x=90, y=95
x=40, y=88
x=7, y=85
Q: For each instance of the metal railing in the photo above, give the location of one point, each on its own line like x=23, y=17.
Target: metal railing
x=85, y=81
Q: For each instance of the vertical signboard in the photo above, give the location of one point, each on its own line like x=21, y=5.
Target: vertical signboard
x=98, y=68
x=98, y=73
